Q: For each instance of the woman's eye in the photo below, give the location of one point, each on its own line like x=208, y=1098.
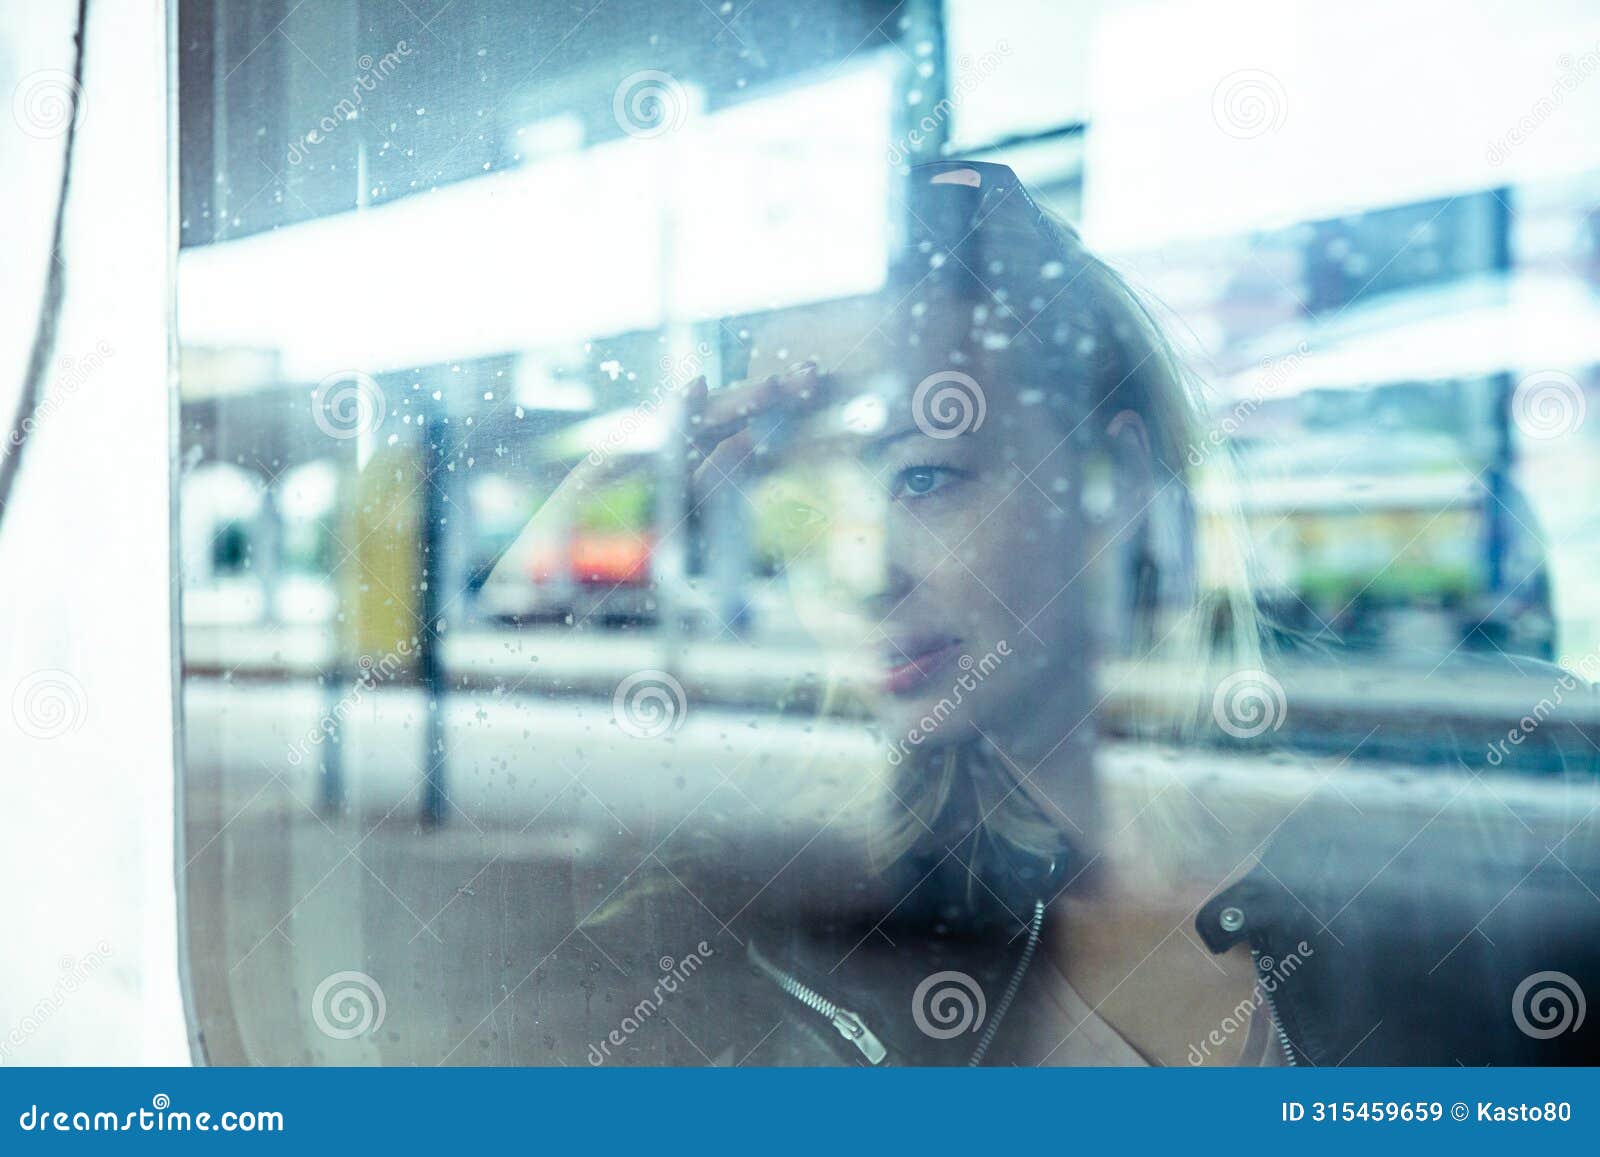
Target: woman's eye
x=919, y=480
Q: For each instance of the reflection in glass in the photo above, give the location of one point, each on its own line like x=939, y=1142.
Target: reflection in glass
x=739, y=554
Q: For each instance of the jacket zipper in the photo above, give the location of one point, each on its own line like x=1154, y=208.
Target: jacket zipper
x=855, y=1030
x=1272, y=1009
x=849, y=1024
x=1035, y=926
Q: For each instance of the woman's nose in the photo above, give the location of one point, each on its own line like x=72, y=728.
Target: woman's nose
x=893, y=583
x=897, y=568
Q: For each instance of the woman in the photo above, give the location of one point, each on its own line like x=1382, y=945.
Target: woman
x=1006, y=447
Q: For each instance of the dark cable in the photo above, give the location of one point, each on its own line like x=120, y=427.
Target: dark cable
x=44, y=334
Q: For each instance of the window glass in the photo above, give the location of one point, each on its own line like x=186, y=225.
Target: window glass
x=868, y=533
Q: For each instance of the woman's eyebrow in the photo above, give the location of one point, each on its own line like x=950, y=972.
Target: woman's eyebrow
x=876, y=448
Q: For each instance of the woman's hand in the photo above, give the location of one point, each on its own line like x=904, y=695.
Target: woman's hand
x=726, y=430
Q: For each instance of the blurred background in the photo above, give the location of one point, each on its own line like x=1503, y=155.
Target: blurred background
x=433, y=255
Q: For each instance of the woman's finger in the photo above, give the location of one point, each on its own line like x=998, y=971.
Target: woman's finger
x=723, y=462
x=722, y=414
x=690, y=416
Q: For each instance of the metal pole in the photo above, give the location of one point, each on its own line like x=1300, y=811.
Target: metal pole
x=432, y=548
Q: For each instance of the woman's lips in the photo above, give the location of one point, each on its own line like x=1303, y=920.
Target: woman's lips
x=919, y=662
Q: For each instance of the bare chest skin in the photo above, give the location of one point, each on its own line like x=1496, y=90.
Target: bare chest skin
x=1123, y=937
x=1144, y=972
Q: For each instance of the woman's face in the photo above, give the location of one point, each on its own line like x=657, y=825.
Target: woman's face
x=970, y=547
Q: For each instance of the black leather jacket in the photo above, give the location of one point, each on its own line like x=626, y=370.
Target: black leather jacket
x=1436, y=947
x=1460, y=928
x=1463, y=932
